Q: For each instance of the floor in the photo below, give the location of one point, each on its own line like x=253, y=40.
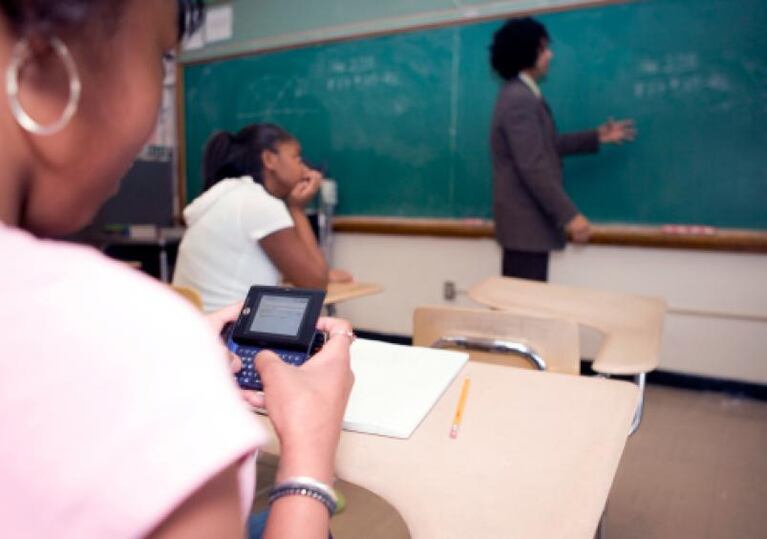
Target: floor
x=366, y=515
x=696, y=469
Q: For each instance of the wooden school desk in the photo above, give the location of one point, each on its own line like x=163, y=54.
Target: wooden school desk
x=338, y=292
x=631, y=324
x=534, y=458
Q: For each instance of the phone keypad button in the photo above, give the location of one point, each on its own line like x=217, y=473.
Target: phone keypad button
x=248, y=378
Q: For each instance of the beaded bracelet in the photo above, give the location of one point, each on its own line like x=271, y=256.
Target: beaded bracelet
x=306, y=486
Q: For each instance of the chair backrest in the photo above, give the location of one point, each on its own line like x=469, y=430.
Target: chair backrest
x=632, y=324
x=500, y=337
x=190, y=294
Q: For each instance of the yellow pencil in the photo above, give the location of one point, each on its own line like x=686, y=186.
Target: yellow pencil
x=459, y=409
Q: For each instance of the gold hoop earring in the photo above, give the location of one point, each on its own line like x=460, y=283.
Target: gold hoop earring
x=21, y=53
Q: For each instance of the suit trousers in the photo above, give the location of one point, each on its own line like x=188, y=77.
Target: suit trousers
x=525, y=265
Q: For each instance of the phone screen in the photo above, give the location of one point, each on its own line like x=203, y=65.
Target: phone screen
x=279, y=315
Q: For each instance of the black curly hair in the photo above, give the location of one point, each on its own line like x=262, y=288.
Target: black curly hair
x=516, y=46
x=44, y=16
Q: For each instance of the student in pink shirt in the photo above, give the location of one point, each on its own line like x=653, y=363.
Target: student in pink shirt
x=118, y=413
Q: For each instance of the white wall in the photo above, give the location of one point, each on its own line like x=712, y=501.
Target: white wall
x=717, y=321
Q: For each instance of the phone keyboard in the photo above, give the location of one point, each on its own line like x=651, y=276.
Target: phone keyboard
x=248, y=378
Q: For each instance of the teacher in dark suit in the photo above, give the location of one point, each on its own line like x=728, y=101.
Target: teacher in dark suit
x=533, y=213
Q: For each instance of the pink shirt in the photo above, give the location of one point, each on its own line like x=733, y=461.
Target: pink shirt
x=116, y=402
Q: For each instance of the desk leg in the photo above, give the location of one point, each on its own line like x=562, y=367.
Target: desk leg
x=164, y=277
x=601, y=527
x=640, y=381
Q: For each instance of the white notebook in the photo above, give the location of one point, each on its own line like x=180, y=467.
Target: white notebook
x=395, y=386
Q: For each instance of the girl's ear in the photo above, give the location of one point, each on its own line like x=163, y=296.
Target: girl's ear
x=269, y=159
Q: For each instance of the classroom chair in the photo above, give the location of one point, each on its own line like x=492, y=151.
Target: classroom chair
x=631, y=324
x=189, y=294
x=500, y=337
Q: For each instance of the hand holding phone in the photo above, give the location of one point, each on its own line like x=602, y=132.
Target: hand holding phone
x=279, y=319
x=306, y=405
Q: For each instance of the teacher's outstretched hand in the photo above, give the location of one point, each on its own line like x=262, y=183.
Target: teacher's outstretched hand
x=617, y=131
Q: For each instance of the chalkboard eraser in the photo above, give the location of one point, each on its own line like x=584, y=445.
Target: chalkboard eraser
x=689, y=230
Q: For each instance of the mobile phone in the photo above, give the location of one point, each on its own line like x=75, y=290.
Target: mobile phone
x=280, y=319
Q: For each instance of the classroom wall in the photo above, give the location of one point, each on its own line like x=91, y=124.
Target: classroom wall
x=717, y=320
x=717, y=324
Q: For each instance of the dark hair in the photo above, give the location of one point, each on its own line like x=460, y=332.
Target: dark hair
x=516, y=46
x=50, y=15
x=234, y=155
x=191, y=15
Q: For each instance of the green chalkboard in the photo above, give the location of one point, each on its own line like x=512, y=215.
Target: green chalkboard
x=401, y=121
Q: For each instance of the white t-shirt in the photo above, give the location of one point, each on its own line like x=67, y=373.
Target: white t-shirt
x=220, y=256
x=116, y=402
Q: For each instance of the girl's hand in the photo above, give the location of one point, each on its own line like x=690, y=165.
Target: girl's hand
x=217, y=320
x=305, y=190
x=306, y=404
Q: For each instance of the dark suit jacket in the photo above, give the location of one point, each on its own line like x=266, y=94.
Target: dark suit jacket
x=530, y=205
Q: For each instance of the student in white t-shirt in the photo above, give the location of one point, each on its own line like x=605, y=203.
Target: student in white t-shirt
x=248, y=226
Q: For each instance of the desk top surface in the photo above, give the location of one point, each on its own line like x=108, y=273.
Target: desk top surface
x=535, y=456
x=632, y=324
x=338, y=292
x=147, y=235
